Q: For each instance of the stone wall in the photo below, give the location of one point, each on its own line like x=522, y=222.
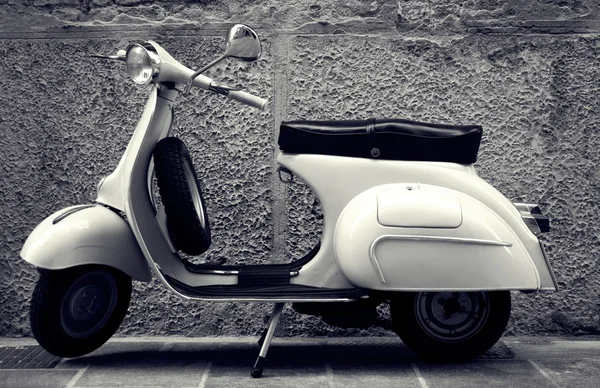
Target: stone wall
x=528, y=72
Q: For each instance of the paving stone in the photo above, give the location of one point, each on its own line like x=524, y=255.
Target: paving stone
x=580, y=373
x=380, y=375
x=276, y=374
x=26, y=357
x=129, y=370
x=35, y=378
x=477, y=374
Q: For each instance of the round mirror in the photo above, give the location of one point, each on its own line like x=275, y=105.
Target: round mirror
x=243, y=43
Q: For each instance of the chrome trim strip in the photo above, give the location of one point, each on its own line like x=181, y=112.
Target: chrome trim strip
x=531, y=223
x=549, y=269
x=548, y=289
x=216, y=272
x=528, y=219
x=267, y=300
x=459, y=240
x=525, y=207
x=221, y=272
x=375, y=262
x=70, y=211
x=230, y=272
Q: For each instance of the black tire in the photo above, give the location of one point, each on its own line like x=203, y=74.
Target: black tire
x=187, y=219
x=450, y=326
x=76, y=310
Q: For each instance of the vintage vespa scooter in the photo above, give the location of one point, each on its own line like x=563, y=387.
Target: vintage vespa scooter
x=406, y=221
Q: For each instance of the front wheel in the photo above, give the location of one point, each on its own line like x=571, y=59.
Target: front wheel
x=450, y=326
x=74, y=311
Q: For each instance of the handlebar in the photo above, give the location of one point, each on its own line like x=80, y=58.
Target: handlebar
x=173, y=71
x=207, y=83
x=248, y=99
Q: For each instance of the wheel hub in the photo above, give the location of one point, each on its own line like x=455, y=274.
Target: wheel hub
x=451, y=316
x=88, y=304
x=451, y=306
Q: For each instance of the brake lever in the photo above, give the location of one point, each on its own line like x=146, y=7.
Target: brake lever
x=223, y=89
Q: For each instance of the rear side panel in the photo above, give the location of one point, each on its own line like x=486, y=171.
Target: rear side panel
x=432, y=239
x=337, y=180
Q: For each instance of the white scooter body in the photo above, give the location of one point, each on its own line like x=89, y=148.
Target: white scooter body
x=482, y=242
x=433, y=226
x=389, y=226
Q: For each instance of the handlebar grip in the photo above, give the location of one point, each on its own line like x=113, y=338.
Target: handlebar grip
x=248, y=99
x=201, y=81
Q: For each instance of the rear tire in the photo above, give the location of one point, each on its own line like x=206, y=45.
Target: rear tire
x=74, y=311
x=187, y=219
x=450, y=326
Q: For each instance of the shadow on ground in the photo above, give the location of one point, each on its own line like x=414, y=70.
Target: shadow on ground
x=234, y=354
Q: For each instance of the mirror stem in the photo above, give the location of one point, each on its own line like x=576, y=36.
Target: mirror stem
x=197, y=73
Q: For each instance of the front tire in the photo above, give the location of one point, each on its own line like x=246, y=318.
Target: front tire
x=450, y=326
x=74, y=311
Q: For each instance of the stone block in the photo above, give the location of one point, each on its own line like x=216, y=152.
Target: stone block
x=36, y=378
x=101, y=3
x=485, y=16
x=54, y=3
x=132, y=2
x=489, y=374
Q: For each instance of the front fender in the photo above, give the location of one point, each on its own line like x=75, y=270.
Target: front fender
x=89, y=234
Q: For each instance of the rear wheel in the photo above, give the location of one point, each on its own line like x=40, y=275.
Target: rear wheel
x=76, y=310
x=450, y=326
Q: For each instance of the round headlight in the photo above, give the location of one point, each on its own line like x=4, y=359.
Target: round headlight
x=143, y=63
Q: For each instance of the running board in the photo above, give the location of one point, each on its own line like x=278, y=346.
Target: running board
x=280, y=270
x=275, y=293
x=248, y=275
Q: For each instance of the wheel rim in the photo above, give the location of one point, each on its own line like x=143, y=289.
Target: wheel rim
x=89, y=304
x=190, y=178
x=451, y=316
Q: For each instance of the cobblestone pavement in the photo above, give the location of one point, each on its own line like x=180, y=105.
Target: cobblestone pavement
x=304, y=362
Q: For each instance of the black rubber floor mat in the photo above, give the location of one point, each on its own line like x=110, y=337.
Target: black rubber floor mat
x=26, y=357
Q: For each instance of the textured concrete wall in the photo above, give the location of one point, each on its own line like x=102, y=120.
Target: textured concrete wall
x=527, y=71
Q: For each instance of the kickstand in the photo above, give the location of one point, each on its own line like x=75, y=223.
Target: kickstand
x=261, y=340
x=259, y=365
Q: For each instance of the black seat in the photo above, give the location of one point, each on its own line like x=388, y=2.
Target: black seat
x=393, y=139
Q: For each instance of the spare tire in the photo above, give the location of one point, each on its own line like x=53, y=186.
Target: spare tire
x=178, y=184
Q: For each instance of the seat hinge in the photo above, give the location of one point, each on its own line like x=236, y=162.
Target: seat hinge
x=375, y=152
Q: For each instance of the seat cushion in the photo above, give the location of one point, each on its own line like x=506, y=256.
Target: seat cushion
x=393, y=139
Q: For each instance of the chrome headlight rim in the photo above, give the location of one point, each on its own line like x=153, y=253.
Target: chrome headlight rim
x=155, y=62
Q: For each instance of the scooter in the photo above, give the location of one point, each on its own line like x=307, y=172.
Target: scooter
x=407, y=221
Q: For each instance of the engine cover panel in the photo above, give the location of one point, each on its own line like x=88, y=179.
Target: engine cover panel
x=449, y=241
